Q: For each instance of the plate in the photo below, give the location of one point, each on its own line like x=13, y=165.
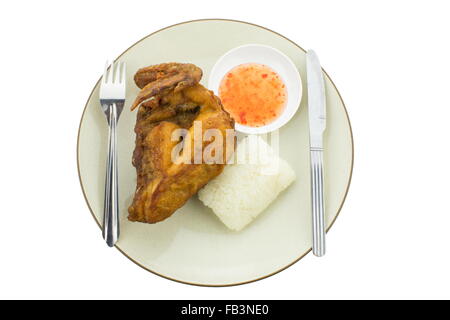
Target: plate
x=193, y=246
x=276, y=60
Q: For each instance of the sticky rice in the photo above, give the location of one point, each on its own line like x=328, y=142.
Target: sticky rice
x=244, y=190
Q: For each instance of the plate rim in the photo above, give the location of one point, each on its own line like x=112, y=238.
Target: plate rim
x=224, y=284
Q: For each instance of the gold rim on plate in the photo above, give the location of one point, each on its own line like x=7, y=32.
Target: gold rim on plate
x=230, y=284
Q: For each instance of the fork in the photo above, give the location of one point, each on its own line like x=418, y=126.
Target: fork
x=112, y=100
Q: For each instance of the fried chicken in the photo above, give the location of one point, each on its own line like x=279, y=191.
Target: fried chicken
x=171, y=98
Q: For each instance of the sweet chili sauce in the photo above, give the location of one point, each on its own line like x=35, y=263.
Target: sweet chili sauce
x=253, y=94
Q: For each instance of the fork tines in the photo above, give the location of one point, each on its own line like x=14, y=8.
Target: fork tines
x=113, y=81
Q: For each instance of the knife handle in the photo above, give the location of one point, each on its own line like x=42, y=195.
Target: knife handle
x=318, y=209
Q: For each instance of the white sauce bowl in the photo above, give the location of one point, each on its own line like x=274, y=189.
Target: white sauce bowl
x=273, y=58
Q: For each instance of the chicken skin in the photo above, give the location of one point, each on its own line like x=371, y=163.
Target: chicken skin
x=172, y=99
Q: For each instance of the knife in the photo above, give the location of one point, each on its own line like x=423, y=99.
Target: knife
x=317, y=124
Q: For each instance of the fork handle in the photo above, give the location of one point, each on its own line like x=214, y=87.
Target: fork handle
x=318, y=215
x=111, y=229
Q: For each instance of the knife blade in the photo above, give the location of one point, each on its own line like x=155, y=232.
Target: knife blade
x=317, y=125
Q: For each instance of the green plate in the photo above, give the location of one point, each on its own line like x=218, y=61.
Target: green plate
x=193, y=246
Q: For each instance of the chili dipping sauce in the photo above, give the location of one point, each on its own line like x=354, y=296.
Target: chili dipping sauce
x=253, y=94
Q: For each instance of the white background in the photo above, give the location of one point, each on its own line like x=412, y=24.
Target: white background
x=389, y=59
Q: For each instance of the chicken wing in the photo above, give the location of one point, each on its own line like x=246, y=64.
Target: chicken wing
x=172, y=98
